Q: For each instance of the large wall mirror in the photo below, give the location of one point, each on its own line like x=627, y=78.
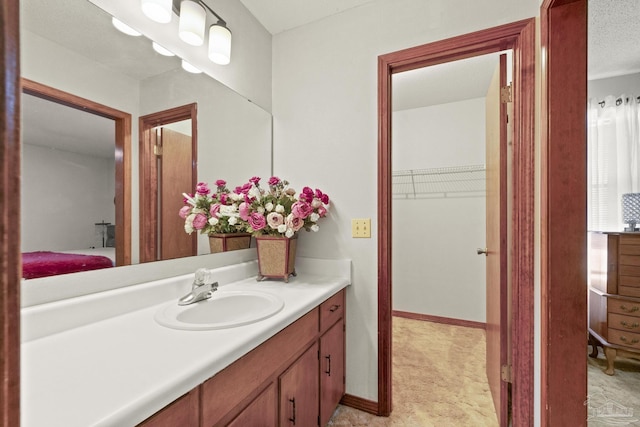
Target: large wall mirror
x=72, y=46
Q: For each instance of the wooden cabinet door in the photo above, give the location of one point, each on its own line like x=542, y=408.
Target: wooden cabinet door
x=183, y=412
x=262, y=412
x=299, y=387
x=331, y=370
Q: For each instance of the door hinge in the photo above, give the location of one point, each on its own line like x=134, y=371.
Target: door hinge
x=505, y=373
x=505, y=94
x=157, y=150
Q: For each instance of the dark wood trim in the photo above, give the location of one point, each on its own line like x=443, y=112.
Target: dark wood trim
x=149, y=174
x=10, y=258
x=519, y=36
x=359, y=403
x=439, y=319
x=563, y=193
x=122, y=156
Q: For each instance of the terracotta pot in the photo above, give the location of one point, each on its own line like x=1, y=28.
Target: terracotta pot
x=229, y=242
x=276, y=257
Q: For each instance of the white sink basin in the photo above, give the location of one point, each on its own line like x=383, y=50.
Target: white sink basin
x=225, y=309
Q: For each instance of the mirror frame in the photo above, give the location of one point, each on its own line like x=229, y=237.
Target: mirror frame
x=122, y=156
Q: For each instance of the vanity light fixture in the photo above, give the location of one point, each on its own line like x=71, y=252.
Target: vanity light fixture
x=190, y=68
x=193, y=23
x=121, y=26
x=220, y=43
x=161, y=50
x=157, y=10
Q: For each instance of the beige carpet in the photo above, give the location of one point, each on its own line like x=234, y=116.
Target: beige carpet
x=438, y=379
x=620, y=391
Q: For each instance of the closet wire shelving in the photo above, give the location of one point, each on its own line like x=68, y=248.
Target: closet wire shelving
x=456, y=181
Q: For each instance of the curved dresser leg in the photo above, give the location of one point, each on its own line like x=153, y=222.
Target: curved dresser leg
x=610, y=353
x=594, y=346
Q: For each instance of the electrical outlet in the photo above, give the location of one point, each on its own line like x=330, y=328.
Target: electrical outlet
x=361, y=227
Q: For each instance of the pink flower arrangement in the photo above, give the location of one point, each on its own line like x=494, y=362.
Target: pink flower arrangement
x=212, y=212
x=277, y=211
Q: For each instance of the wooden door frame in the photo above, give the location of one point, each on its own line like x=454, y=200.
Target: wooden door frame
x=10, y=259
x=149, y=174
x=519, y=36
x=563, y=209
x=122, y=156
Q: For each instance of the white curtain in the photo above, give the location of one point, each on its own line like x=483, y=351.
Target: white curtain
x=614, y=158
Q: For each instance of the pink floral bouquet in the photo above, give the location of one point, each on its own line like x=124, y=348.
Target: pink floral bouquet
x=277, y=211
x=212, y=212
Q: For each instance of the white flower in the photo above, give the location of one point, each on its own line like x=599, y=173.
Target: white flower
x=233, y=220
x=261, y=209
x=279, y=208
x=254, y=193
x=282, y=228
x=227, y=210
x=289, y=233
x=213, y=220
x=188, y=224
x=269, y=207
x=235, y=197
x=314, y=217
x=316, y=203
x=315, y=228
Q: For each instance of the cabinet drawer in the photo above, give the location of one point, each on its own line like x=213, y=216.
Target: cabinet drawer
x=624, y=323
x=621, y=306
x=331, y=310
x=623, y=338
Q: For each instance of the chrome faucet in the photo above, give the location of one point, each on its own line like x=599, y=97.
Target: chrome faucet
x=201, y=289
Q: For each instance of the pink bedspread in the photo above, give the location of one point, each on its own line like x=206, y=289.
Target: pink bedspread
x=43, y=264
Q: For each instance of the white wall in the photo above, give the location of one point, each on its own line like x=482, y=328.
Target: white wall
x=63, y=195
x=628, y=85
x=325, y=131
x=436, y=270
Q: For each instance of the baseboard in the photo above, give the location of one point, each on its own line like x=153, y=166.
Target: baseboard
x=438, y=319
x=360, y=404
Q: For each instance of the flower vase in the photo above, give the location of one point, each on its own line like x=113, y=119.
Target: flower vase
x=224, y=242
x=276, y=257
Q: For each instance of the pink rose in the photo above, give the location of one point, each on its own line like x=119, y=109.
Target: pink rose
x=199, y=222
x=184, y=212
x=257, y=221
x=301, y=209
x=274, y=219
x=221, y=183
x=202, y=188
x=255, y=180
x=274, y=180
x=214, y=209
x=243, y=209
x=323, y=197
x=322, y=211
x=223, y=198
x=244, y=189
x=294, y=222
x=307, y=195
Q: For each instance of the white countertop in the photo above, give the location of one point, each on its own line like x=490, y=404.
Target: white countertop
x=119, y=370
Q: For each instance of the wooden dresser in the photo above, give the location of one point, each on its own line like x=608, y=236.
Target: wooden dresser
x=614, y=295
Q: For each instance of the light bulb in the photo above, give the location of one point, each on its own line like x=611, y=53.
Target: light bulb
x=121, y=26
x=192, y=22
x=157, y=10
x=190, y=68
x=219, y=44
x=161, y=50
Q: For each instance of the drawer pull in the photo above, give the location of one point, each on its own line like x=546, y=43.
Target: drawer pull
x=293, y=404
x=632, y=342
x=328, y=371
x=633, y=325
x=334, y=308
x=629, y=310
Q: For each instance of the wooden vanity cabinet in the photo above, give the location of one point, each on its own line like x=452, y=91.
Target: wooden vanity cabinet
x=296, y=378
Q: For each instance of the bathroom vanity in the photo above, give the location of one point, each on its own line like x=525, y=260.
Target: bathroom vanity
x=102, y=359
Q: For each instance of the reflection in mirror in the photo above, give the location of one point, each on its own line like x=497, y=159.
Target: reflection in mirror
x=71, y=45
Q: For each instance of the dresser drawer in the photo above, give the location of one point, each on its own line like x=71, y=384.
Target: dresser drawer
x=623, y=338
x=621, y=306
x=331, y=311
x=624, y=323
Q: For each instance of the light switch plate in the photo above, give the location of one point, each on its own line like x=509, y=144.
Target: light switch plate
x=361, y=228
